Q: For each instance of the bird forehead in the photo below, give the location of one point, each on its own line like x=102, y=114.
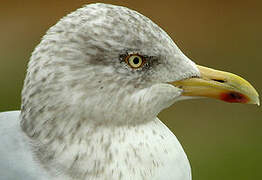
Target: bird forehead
x=117, y=25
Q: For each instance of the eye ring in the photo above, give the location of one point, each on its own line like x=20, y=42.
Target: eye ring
x=135, y=61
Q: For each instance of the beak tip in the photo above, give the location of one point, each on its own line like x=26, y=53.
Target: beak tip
x=255, y=100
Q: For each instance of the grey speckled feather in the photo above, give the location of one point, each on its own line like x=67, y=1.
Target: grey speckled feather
x=86, y=114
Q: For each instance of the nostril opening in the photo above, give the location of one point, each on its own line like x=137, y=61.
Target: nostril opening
x=219, y=80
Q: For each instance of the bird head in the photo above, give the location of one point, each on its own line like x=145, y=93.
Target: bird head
x=106, y=63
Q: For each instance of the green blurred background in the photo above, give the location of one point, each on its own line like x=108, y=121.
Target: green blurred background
x=222, y=141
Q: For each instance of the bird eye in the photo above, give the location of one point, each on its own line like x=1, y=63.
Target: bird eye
x=134, y=61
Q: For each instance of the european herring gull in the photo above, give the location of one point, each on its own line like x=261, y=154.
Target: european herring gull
x=94, y=87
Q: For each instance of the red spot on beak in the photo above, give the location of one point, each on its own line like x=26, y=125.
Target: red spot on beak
x=233, y=97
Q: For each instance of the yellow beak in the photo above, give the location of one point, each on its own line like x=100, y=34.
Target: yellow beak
x=219, y=85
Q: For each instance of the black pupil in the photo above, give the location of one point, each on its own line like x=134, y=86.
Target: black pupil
x=136, y=60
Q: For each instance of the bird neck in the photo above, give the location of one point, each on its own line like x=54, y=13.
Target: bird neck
x=86, y=151
x=76, y=133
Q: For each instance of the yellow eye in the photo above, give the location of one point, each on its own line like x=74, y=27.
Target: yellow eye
x=135, y=61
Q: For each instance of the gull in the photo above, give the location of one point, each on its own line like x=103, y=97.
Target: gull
x=94, y=87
